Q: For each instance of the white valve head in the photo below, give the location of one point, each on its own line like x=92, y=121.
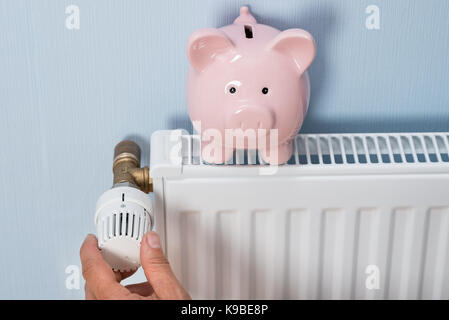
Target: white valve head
x=123, y=215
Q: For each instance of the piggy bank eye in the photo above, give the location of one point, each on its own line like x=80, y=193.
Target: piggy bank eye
x=232, y=90
x=265, y=90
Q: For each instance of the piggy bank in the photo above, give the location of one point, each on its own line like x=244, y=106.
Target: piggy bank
x=247, y=88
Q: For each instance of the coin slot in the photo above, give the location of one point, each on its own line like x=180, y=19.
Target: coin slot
x=248, y=32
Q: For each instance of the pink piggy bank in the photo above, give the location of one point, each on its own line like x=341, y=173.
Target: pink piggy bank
x=248, y=88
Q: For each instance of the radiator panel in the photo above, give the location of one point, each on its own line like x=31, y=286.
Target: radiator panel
x=285, y=246
x=353, y=217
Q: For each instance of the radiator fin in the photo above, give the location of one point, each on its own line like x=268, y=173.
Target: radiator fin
x=406, y=253
x=190, y=237
x=262, y=277
x=227, y=255
x=435, y=284
x=343, y=149
x=302, y=254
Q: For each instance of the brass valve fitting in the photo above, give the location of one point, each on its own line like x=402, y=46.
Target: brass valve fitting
x=126, y=167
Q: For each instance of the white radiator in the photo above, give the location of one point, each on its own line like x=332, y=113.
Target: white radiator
x=361, y=216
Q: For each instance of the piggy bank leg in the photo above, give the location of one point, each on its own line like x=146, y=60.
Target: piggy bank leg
x=277, y=156
x=215, y=154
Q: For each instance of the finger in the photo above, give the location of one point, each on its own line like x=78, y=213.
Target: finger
x=158, y=271
x=98, y=274
x=89, y=293
x=143, y=289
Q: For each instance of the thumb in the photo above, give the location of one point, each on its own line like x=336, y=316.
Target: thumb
x=158, y=271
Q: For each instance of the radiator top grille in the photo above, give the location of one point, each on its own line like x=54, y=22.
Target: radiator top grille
x=343, y=150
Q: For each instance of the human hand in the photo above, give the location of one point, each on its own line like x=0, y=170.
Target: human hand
x=103, y=283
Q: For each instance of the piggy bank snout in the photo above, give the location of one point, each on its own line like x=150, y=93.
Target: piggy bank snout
x=250, y=117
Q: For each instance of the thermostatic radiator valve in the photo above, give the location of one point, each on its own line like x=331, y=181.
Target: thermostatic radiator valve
x=125, y=212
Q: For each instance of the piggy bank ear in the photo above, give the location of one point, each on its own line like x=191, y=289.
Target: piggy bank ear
x=297, y=44
x=205, y=45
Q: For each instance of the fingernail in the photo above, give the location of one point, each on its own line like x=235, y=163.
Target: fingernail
x=153, y=240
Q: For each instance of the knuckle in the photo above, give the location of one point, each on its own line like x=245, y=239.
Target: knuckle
x=159, y=261
x=103, y=291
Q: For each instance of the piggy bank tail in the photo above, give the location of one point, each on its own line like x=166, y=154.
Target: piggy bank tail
x=245, y=17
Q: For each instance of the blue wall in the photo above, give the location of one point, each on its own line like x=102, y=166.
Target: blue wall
x=67, y=96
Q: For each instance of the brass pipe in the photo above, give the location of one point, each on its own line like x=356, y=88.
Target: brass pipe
x=126, y=167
